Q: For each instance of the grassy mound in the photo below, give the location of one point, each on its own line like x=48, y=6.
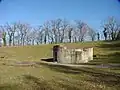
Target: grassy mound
x=104, y=52
x=47, y=77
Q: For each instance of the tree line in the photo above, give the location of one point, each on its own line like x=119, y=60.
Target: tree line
x=56, y=31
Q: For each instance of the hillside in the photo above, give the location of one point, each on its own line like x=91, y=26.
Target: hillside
x=50, y=77
x=104, y=52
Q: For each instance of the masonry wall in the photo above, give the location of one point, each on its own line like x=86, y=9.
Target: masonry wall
x=74, y=56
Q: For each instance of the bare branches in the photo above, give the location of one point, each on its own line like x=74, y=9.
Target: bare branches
x=22, y=32
x=54, y=31
x=111, y=25
x=82, y=30
x=92, y=34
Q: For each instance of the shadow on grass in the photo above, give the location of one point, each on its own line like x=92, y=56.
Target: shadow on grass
x=110, y=58
x=78, y=70
x=111, y=45
x=109, y=79
x=37, y=83
x=29, y=83
x=61, y=68
x=97, y=76
x=47, y=59
x=9, y=87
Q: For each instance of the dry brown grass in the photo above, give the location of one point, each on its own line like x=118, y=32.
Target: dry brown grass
x=47, y=77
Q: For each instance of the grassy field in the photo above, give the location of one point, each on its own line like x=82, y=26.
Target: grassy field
x=50, y=77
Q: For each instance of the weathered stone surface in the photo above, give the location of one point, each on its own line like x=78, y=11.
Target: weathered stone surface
x=64, y=55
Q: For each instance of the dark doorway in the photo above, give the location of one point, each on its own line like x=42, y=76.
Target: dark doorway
x=55, y=52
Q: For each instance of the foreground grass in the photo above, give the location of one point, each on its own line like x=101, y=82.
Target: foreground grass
x=44, y=77
x=49, y=77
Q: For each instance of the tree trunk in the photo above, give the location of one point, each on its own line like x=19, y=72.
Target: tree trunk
x=32, y=42
x=10, y=41
x=13, y=40
x=18, y=42
x=4, y=41
x=92, y=38
x=23, y=41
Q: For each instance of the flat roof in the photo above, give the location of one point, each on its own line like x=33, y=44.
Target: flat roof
x=70, y=46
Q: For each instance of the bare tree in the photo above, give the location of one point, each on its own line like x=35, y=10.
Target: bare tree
x=54, y=31
x=37, y=35
x=51, y=36
x=118, y=35
x=82, y=29
x=75, y=34
x=70, y=34
x=22, y=31
x=63, y=30
x=10, y=32
x=105, y=34
x=3, y=35
x=112, y=26
x=28, y=38
x=40, y=37
x=98, y=36
x=14, y=28
x=45, y=29
x=58, y=29
x=33, y=36
x=18, y=35
x=92, y=34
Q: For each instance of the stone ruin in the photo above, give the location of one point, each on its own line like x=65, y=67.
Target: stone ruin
x=64, y=55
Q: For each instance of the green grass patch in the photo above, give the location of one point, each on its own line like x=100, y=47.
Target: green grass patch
x=51, y=77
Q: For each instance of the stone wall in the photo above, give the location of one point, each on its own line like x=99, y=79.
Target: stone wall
x=73, y=56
